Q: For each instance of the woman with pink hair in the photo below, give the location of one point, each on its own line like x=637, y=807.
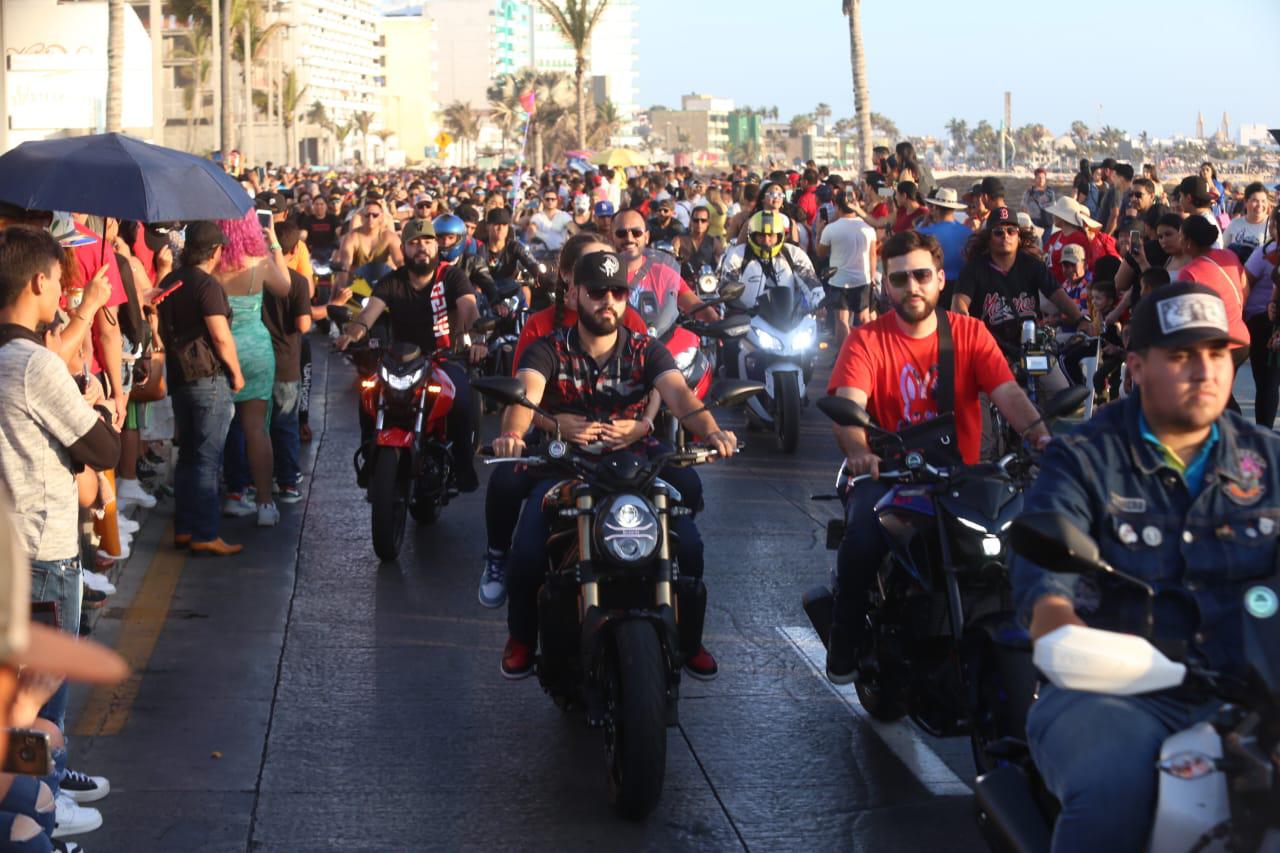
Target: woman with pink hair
x=245, y=271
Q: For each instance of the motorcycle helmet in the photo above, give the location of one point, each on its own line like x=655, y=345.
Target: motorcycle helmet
x=766, y=222
x=447, y=223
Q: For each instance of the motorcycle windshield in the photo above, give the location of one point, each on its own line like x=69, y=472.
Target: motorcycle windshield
x=778, y=306
x=660, y=318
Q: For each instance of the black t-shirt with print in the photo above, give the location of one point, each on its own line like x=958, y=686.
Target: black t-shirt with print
x=1003, y=300
x=279, y=315
x=412, y=317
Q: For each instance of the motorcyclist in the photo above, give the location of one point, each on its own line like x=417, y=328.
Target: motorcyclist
x=649, y=270
x=503, y=254
x=451, y=237
x=422, y=296
x=370, y=251
x=698, y=247
x=1181, y=494
x=604, y=373
x=891, y=367
x=765, y=260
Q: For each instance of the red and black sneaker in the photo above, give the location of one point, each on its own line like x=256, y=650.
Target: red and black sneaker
x=701, y=665
x=517, y=660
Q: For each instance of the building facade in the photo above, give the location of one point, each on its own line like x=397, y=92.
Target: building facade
x=411, y=99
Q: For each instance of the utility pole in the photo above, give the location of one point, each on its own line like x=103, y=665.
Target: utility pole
x=156, y=26
x=224, y=79
x=215, y=71
x=246, y=145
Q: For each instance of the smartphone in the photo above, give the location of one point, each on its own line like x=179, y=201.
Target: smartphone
x=1135, y=240
x=30, y=753
x=885, y=192
x=264, y=218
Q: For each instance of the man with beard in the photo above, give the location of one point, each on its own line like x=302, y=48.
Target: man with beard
x=892, y=367
x=603, y=372
x=649, y=270
x=423, y=298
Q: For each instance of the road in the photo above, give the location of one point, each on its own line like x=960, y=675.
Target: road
x=302, y=697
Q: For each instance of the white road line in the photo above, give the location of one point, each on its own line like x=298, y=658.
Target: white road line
x=901, y=737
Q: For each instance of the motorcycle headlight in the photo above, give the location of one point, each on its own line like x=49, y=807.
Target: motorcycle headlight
x=708, y=284
x=768, y=341
x=627, y=529
x=802, y=339
x=684, y=360
x=401, y=382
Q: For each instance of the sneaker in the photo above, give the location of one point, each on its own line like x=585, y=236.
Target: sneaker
x=268, y=515
x=842, y=657
x=92, y=599
x=84, y=788
x=517, y=660
x=701, y=665
x=288, y=494
x=493, y=583
x=63, y=846
x=238, y=505
x=127, y=525
x=131, y=492
x=73, y=819
x=98, y=581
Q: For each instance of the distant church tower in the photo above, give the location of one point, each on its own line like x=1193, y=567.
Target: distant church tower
x=1199, y=125
x=1225, y=131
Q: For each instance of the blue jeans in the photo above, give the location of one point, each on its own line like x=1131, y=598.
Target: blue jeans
x=1096, y=754
x=286, y=445
x=235, y=459
x=202, y=415
x=60, y=581
x=862, y=550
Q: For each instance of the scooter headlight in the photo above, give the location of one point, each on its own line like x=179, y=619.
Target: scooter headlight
x=626, y=529
x=708, y=284
x=802, y=339
x=768, y=341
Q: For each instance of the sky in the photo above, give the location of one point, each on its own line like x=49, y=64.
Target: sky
x=931, y=60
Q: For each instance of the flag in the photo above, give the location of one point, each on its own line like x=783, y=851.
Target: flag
x=527, y=102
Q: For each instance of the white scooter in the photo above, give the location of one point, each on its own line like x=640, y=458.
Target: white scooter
x=1219, y=784
x=779, y=350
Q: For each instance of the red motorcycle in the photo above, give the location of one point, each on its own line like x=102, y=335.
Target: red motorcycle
x=406, y=464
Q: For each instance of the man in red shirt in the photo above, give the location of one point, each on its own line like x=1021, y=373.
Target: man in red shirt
x=891, y=367
x=108, y=346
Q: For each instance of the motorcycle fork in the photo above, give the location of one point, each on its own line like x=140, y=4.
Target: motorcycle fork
x=954, y=605
x=662, y=595
x=589, y=594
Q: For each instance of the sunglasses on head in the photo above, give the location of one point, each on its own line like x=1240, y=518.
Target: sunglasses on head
x=922, y=275
x=623, y=232
x=618, y=293
x=1005, y=231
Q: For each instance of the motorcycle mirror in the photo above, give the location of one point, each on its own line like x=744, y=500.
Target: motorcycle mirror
x=485, y=325
x=732, y=392
x=1049, y=539
x=845, y=412
x=507, y=390
x=731, y=290
x=1066, y=401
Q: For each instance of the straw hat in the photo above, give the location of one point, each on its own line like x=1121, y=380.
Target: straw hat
x=945, y=197
x=1072, y=212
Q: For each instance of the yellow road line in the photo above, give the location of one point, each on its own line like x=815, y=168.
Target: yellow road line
x=107, y=709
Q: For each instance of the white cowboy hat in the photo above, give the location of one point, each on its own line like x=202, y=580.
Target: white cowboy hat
x=1072, y=212
x=945, y=197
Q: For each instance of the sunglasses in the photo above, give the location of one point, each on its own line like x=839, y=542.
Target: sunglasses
x=623, y=232
x=1005, y=231
x=619, y=294
x=373, y=214
x=774, y=195
x=923, y=275
x=699, y=219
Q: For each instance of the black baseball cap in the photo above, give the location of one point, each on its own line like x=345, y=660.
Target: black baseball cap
x=272, y=201
x=204, y=235
x=1177, y=315
x=600, y=270
x=993, y=187
x=1001, y=216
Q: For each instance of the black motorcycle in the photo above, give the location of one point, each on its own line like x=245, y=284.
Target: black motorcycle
x=616, y=619
x=943, y=646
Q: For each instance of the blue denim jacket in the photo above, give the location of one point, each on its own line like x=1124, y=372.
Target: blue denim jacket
x=1198, y=553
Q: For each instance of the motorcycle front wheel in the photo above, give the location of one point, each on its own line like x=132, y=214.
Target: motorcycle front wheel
x=786, y=418
x=636, y=719
x=389, y=502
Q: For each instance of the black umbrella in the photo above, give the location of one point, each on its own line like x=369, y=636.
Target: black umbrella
x=110, y=174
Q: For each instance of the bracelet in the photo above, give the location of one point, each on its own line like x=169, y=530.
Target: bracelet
x=80, y=316
x=648, y=423
x=275, y=247
x=511, y=434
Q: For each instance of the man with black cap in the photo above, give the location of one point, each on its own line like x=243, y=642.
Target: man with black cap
x=502, y=253
x=1181, y=494
x=429, y=303
x=601, y=370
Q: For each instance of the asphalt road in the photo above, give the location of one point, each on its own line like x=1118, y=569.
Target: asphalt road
x=302, y=697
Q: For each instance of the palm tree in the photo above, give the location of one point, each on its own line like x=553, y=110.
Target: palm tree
x=1110, y=138
x=984, y=140
x=821, y=113
x=606, y=123
x=193, y=74
x=290, y=101
x=800, y=124
x=883, y=125
x=843, y=127
x=319, y=116
x=340, y=133
x=115, y=64
x=383, y=135
x=852, y=9
x=576, y=20
x=463, y=123
x=958, y=128
x=361, y=121
x=1080, y=133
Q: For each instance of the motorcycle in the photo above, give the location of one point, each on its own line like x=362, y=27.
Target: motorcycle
x=779, y=349
x=1036, y=359
x=1219, y=782
x=406, y=465
x=616, y=619
x=509, y=318
x=942, y=646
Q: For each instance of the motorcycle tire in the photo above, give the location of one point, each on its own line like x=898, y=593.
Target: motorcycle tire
x=636, y=719
x=425, y=512
x=390, y=504
x=786, y=417
x=880, y=703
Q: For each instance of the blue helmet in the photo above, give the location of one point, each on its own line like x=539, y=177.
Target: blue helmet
x=447, y=223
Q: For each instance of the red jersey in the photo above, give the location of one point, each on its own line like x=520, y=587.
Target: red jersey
x=543, y=323
x=1220, y=270
x=1060, y=241
x=899, y=375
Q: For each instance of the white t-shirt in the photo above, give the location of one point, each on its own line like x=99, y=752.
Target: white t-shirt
x=1244, y=232
x=850, y=241
x=551, y=229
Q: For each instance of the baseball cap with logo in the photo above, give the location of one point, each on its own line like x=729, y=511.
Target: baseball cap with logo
x=1073, y=253
x=604, y=208
x=204, y=235
x=1001, y=216
x=1178, y=315
x=600, y=270
x=415, y=228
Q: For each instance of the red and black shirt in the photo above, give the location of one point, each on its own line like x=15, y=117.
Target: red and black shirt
x=577, y=384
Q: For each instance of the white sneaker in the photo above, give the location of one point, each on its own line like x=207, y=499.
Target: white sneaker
x=131, y=492
x=268, y=515
x=125, y=541
x=73, y=819
x=127, y=525
x=84, y=788
x=238, y=506
x=99, y=581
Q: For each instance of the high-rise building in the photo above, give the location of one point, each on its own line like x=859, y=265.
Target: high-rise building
x=479, y=41
x=411, y=99
x=337, y=52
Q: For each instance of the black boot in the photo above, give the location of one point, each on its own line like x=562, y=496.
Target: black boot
x=842, y=656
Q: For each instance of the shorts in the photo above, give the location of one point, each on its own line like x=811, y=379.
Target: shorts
x=137, y=416
x=855, y=299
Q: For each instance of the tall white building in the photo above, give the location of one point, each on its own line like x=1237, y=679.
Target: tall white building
x=337, y=52
x=614, y=60
x=478, y=41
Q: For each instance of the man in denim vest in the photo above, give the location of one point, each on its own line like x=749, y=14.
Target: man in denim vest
x=1181, y=494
